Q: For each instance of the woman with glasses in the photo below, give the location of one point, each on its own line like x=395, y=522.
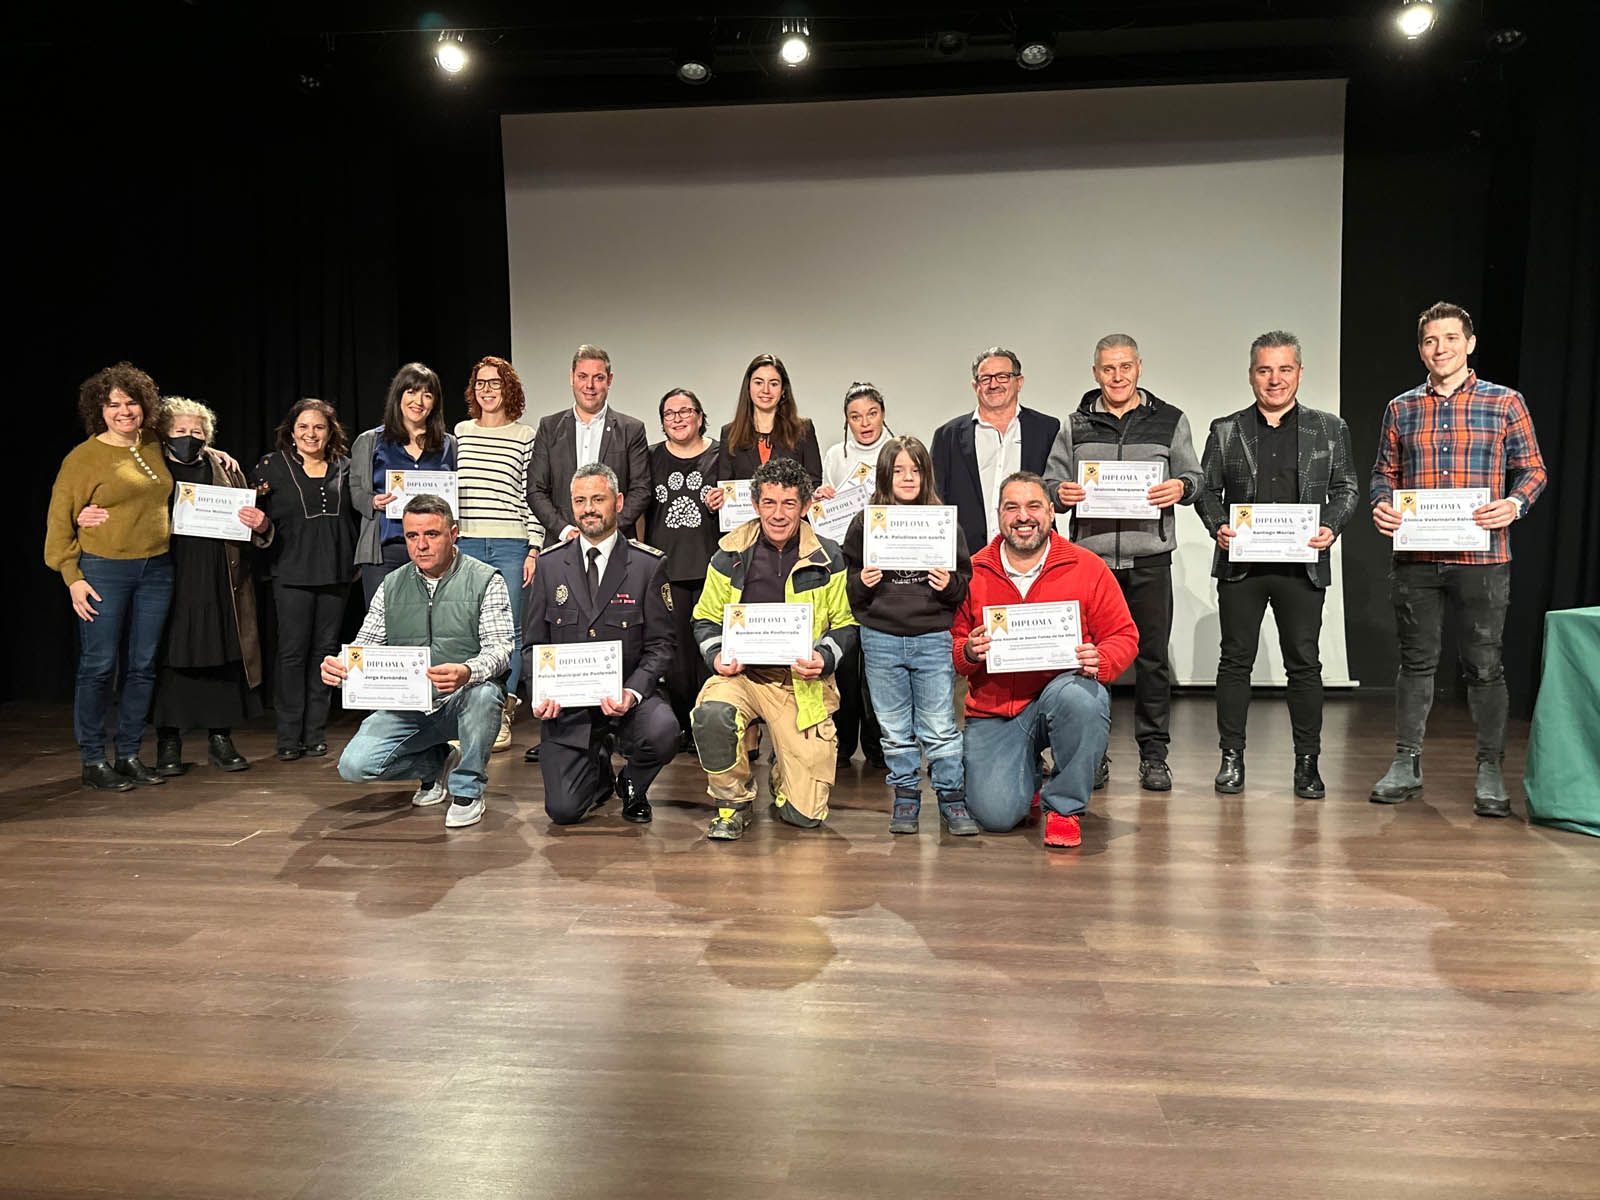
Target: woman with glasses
x=767, y=424
x=411, y=438
x=682, y=522
x=493, y=450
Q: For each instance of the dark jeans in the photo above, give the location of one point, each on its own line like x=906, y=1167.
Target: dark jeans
x=373, y=574
x=688, y=667
x=1479, y=595
x=308, y=629
x=1148, y=591
x=1297, y=609
x=134, y=596
x=855, y=718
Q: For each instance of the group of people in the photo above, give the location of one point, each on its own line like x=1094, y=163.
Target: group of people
x=576, y=530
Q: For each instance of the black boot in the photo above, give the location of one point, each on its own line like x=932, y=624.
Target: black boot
x=1102, y=773
x=1230, y=776
x=635, y=804
x=137, y=773
x=169, y=752
x=103, y=777
x=223, y=754
x=1307, y=783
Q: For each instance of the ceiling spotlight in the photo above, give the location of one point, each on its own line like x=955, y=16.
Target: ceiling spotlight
x=692, y=70
x=695, y=52
x=1416, y=17
x=1504, y=41
x=1036, y=49
x=795, y=47
x=950, y=42
x=451, y=53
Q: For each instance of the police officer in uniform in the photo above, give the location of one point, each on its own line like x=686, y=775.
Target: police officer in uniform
x=601, y=587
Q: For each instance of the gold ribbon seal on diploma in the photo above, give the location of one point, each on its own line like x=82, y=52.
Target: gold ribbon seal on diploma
x=1244, y=517
x=358, y=659
x=816, y=512
x=186, y=493
x=998, y=622
x=397, y=481
x=1091, y=472
x=736, y=616
x=547, y=660
x=1408, y=503
x=860, y=472
x=879, y=517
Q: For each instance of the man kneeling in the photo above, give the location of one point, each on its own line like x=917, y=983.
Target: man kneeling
x=601, y=587
x=775, y=559
x=1013, y=716
x=459, y=608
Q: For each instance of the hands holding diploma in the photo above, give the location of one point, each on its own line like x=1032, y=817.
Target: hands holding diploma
x=977, y=650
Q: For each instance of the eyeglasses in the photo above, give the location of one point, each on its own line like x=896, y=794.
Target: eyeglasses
x=493, y=385
x=1000, y=377
x=678, y=414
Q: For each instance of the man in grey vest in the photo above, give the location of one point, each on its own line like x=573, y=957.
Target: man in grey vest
x=459, y=608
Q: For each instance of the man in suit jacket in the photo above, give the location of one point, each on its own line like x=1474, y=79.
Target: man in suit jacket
x=589, y=431
x=973, y=452
x=602, y=587
x=1277, y=451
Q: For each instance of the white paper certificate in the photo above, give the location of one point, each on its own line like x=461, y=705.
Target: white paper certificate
x=1273, y=532
x=204, y=510
x=1116, y=490
x=403, y=485
x=736, y=506
x=1033, y=637
x=909, y=537
x=831, y=518
x=389, y=677
x=577, y=674
x=771, y=635
x=1439, y=519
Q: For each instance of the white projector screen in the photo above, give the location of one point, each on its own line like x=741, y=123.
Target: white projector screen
x=891, y=240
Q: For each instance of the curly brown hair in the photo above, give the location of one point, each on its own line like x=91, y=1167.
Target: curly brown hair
x=337, y=445
x=95, y=392
x=512, y=398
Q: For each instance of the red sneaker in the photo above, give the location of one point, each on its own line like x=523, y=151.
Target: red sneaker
x=1062, y=831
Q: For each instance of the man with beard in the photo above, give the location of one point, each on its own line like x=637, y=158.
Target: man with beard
x=1013, y=716
x=602, y=587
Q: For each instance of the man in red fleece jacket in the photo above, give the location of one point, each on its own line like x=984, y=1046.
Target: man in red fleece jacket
x=1013, y=716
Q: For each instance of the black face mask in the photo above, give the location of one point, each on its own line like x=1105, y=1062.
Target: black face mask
x=185, y=449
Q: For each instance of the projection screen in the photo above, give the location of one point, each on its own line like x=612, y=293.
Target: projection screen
x=891, y=240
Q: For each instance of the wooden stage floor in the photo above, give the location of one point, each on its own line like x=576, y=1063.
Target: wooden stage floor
x=276, y=984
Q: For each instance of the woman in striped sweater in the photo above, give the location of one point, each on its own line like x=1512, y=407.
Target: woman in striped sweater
x=497, y=527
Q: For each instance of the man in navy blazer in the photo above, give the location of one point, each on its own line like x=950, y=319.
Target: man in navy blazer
x=590, y=431
x=973, y=452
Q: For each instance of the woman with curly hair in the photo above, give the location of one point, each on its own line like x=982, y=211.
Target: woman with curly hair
x=766, y=424
x=493, y=450
x=118, y=573
x=304, y=487
x=411, y=438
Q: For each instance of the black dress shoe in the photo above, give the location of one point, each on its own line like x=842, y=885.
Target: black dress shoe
x=876, y=762
x=635, y=806
x=532, y=754
x=137, y=773
x=1230, y=776
x=289, y=753
x=224, y=755
x=1102, y=773
x=1155, y=775
x=1307, y=783
x=169, y=755
x=316, y=749
x=102, y=776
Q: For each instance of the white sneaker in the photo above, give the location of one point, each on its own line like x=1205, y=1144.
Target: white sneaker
x=460, y=814
x=508, y=713
x=439, y=790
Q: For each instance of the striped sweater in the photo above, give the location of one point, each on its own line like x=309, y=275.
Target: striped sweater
x=492, y=484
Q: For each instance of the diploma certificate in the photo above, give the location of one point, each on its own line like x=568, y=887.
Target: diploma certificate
x=831, y=518
x=1273, y=532
x=736, y=504
x=404, y=485
x=577, y=674
x=1439, y=519
x=204, y=510
x=1032, y=637
x=909, y=537
x=1116, y=490
x=389, y=677
x=766, y=635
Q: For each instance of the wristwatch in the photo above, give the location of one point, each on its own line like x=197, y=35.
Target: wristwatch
x=1520, y=505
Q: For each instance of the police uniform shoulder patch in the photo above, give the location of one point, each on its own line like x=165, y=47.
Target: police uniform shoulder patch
x=666, y=595
x=562, y=593
x=647, y=548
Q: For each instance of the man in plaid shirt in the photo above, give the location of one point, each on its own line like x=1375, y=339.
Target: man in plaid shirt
x=1454, y=431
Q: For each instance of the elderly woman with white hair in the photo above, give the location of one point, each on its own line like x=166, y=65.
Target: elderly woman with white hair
x=209, y=665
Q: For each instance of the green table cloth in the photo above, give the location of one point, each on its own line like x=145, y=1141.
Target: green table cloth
x=1563, y=773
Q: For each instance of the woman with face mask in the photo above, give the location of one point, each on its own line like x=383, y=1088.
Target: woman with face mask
x=209, y=665
x=304, y=486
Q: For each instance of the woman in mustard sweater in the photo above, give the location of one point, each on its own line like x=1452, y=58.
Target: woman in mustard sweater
x=118, y=574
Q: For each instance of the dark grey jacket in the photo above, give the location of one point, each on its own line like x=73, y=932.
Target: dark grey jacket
x=1155, y=431
x=1327, y=478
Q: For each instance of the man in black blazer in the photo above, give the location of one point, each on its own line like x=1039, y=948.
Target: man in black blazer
x=1277, y=451
x=602, y=587
x=589, y=431
x=973, y=452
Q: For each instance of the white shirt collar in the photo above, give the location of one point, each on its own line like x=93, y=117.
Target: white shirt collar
x=577, y=414
x=605, y=547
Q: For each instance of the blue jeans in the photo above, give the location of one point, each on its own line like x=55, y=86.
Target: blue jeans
x=134, y=595
x=1073, y=717
x=505, y=555
x=911, y=680
x=412, y=745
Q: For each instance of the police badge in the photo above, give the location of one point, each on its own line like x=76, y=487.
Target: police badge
x=562, y=592
x=666, y=595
